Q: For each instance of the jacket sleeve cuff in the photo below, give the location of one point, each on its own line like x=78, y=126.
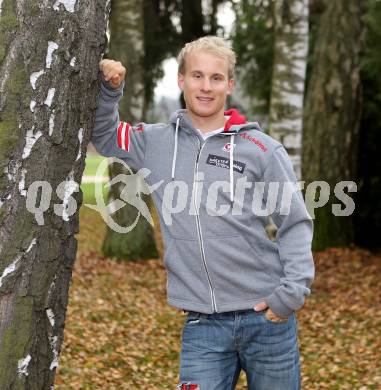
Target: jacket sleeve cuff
x=277, y=306
x=109, y=90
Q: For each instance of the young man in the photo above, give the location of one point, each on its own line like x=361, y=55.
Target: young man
x=240, y=289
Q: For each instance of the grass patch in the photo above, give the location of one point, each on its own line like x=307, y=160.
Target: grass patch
x=92, y=163
x=88, y=190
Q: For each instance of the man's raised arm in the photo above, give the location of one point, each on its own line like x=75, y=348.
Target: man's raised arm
x=110, y=136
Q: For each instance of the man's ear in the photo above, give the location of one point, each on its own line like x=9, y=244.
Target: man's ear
x=180, y=81
x=231, y=85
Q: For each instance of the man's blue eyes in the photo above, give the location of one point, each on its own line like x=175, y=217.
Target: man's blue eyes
x=197, y=76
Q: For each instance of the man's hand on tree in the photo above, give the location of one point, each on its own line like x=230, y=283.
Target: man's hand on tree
x=113, y=72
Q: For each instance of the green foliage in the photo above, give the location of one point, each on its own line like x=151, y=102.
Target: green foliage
x=253, y=41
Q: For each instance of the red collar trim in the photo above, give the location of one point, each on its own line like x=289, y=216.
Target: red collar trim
x=235, y=118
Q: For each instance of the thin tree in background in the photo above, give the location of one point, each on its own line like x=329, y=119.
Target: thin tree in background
x=288, y=78
x=49, y=82
x=127, y=45
x=368, y=197
x=332, y=114
x=192, y=20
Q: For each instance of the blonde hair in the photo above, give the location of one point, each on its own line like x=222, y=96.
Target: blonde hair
x=211, y=44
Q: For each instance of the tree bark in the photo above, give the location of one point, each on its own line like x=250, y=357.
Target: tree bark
x=49, y=54
x=127, y=46
x=289, y=72
x=332, y=114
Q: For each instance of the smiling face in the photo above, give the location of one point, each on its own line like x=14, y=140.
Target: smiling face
x=205, y=84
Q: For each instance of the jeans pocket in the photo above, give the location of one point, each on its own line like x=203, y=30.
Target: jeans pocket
x=192, y=318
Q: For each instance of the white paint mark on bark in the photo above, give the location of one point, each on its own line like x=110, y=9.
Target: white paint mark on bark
x=68, y=4
x=23, y=366
x=53, y=344
x=51, y=287
x=34, y=77
x=71, y=186
x=50, y=315
x=30, y=140
x=80, y=138
x=52, y=46
x=22, y=183
x=32, y=105
x=7, y=198
x=10, y=269
x=33, y=242
x=6, y=170
x=51, y=123
x=49, y=98
x=72, y=62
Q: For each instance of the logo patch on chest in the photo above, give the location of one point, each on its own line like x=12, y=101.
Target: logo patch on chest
x=223, y=162
x=227, y=147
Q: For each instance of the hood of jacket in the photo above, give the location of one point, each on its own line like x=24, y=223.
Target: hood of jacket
x=235, y=122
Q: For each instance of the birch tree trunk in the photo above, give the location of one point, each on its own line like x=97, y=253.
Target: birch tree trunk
x=49, y=54
x=289, y=72
x=332, y=114
x=127, y=46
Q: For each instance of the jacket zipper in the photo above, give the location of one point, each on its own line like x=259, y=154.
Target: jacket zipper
x=198, y=224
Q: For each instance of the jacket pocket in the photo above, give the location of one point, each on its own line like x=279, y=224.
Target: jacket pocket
x=186, y=277
x=237, y=270
x=267, y=260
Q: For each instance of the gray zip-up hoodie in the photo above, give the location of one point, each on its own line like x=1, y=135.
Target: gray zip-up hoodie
x=217, y=254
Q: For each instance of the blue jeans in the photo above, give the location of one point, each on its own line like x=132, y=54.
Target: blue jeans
x=215, y=347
